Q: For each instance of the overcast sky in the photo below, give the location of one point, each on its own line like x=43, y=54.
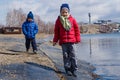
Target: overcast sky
x=48, y=10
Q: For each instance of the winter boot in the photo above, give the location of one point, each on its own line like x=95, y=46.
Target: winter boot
x=67, y=72
x=74, y=73
x=35, y=51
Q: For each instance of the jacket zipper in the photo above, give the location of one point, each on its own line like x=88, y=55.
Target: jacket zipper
x=30, y=30
x=67, y=36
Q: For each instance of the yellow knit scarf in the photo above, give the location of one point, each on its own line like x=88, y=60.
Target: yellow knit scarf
x=65, y=22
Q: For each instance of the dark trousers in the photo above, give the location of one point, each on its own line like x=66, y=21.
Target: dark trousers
x=33, y=43
x=69, y=57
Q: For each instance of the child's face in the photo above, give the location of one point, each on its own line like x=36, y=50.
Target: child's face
x=29, y=19
x=64, y=12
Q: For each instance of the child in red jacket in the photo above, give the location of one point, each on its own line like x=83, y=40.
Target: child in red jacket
x=67, y=33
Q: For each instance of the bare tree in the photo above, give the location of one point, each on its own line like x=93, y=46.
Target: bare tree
x=40, y=23
x=49, y=28
x=15, y=18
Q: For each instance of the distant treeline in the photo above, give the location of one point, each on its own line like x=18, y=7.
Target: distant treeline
x=15, y=18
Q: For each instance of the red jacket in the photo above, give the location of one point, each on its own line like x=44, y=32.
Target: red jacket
x=63, y=36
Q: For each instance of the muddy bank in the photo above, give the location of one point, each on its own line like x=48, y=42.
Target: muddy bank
x=25, y=66
x=85, y=69
x=15, y=63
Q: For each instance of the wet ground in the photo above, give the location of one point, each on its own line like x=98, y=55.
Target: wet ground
x=84, y=69
x=27, y=71
x=16, y=64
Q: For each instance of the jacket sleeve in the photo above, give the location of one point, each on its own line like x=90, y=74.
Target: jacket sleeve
x=56, y=32
x=77, y=31
x=24, y=29
x=36, y=29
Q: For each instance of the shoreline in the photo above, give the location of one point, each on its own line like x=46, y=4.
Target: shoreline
x=49, y=57
x=85, y=68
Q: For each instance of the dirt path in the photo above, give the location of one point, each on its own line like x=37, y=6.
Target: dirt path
x=11, y=60
x=8, y=57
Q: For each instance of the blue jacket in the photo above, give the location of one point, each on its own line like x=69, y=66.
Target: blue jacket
x=30, y=29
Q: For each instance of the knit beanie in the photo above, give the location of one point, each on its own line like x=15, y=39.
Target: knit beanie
x=65, y=6
x=30, y=15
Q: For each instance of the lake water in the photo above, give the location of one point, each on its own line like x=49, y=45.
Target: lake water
x=103, y=51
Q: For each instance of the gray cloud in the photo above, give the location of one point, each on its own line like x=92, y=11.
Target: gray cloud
x=48, y=10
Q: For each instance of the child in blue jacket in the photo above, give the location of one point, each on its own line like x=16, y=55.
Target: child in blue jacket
x=30, y=29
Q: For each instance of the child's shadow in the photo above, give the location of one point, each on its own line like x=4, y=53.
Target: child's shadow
x=7, y=53
x=43, y=66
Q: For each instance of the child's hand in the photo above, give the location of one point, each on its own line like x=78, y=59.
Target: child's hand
x=54, y=43
x=77, y=42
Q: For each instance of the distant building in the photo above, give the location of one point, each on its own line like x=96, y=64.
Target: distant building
x=11, y=30
x=102, y=22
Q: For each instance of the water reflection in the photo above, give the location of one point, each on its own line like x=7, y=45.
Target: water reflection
x=105, y=48
x=102, y=52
